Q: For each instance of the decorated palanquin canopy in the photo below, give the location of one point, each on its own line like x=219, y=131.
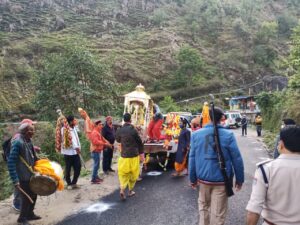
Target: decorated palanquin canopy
x=139, y=94
x=139, y=104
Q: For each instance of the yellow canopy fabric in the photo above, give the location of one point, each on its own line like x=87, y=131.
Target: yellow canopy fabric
x=44, y=167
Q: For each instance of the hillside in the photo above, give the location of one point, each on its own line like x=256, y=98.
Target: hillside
x=240, y=42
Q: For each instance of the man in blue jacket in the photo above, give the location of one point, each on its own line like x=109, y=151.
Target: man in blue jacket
x=204, y=170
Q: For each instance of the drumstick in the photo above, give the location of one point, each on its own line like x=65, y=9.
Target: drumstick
x=27, y=196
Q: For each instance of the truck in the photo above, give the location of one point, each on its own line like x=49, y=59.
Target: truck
x=162, y=154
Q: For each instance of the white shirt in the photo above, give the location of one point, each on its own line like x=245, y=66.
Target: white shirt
x=75, y=142
x=278, y=203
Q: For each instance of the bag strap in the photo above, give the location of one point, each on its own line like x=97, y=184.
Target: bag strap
x=264, y=175
x=26, y=164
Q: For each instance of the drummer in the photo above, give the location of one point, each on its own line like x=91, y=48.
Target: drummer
x=20, y=162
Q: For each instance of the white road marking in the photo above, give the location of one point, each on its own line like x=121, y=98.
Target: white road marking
x=99, y=207
x=154, y=173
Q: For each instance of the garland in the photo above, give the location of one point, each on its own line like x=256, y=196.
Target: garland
x=172, y=130
x=164, y=166
x=67, y=142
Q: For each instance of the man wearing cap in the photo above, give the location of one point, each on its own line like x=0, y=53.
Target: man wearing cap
x=204, y=169
x=70, y=148
x=98, y=143
x=108, y=133
x=17, y=195
x=275, y=189
x=20, y=163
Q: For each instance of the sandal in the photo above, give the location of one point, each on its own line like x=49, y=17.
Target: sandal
x=131, y=194
x=122, y=196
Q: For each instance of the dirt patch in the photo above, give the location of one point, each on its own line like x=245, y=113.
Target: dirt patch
x=56, y=207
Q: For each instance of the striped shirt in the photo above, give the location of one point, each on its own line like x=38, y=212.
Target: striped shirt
x=17, y=169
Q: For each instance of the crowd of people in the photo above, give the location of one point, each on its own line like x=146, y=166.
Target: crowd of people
x=196, y=157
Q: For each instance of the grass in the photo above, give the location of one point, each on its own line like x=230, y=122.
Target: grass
x=85, y=172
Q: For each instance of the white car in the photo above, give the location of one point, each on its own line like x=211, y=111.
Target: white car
x=233, y=119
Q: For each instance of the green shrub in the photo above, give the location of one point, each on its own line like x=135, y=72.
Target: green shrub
x=85, y=146
x=6, y=187
x=168, y=105
x=286, y=23
x=27, y=108
x=159, y=16
x=270, y=139
x=264, y=55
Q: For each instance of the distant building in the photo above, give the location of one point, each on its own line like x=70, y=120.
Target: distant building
x=245, y=104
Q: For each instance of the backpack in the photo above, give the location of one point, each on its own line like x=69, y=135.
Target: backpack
x=6, y=145
x=258, y=120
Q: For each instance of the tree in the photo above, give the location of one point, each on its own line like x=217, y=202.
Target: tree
x=264, y=55
x=207, y=17
x=190, y=65
x=240, y=29
x=159, y=16
x=294, y=60
x=267, y=31
x=248, y=10
x=72, y=79
x=168, y=105
x=286, y=23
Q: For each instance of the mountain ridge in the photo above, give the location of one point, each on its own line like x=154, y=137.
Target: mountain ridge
x=142, y=38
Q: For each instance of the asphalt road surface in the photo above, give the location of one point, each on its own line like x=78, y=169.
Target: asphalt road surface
x=170, y=201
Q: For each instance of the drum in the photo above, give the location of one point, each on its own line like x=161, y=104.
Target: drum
x=44, y=182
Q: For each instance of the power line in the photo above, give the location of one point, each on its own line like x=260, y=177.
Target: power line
x=221, y=93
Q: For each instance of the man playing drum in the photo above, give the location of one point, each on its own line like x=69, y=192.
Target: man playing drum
x=21, y=159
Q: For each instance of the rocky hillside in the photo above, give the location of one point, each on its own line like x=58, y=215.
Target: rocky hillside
x=240, y=41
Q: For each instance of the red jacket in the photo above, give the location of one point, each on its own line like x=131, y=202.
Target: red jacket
x=97, y=141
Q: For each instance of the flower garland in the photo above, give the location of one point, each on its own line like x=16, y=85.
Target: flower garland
x=58, y=137
x=172, y=130
x=67, y=142
x=164, y=166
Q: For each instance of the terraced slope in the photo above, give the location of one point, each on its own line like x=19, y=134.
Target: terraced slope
x=141, y=39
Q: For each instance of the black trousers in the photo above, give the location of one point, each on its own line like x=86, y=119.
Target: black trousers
x=258, y=130
x=107, y=159
x=72, y=161
x=26, y=206
x=244, y=130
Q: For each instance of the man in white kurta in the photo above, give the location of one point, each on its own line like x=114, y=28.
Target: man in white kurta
x=71, y=152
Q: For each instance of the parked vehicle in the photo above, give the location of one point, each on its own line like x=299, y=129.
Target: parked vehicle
x=233, y=119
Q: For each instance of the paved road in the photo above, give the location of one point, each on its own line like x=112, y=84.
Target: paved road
x=170, y=201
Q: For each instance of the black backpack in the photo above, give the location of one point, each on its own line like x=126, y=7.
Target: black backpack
x=6, y=145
